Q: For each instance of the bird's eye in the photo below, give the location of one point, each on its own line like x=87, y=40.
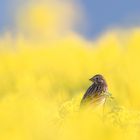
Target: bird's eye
x=97, y=78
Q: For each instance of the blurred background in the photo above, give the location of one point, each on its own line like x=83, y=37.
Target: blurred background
x=48, y=51
x=97, y=16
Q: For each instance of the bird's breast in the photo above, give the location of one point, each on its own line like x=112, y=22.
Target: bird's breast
x=98, y=100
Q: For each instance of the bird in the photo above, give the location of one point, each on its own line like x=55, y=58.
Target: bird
x=97, y=93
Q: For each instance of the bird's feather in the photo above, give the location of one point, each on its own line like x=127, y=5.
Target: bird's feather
x=95, y=94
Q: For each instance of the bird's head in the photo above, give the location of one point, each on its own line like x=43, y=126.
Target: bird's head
x=97, y=79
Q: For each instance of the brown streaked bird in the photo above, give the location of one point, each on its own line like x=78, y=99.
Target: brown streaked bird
x=97, y=93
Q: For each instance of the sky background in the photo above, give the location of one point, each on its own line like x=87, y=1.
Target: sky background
x=100, y=15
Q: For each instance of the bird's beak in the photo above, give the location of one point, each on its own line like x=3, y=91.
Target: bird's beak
x=91, y=79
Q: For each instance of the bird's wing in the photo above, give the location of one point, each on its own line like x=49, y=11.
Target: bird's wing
x=90, y=93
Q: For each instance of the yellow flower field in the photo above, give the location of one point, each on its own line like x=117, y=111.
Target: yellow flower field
x=43, y=76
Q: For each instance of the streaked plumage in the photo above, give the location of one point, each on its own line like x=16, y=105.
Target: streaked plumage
x=96, y=93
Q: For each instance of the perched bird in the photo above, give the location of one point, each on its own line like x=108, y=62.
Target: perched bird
x=97, y=93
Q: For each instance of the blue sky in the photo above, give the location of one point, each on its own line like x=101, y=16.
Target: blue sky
x=104, y=14
x=100, y=15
